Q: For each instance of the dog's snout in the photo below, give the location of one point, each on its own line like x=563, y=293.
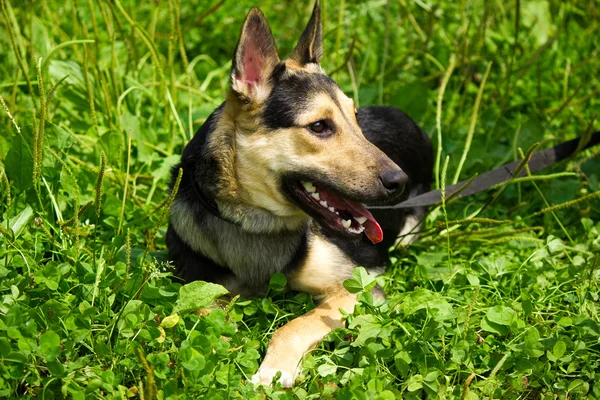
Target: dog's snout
x=394, y=180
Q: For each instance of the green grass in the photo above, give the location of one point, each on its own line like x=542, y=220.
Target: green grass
x=498, y=299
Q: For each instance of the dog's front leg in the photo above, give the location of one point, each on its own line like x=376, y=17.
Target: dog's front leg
x=293, y=340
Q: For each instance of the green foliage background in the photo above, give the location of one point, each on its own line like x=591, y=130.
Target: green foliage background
x=498, y=301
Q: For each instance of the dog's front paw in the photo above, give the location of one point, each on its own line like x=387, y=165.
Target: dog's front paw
x=265, y=376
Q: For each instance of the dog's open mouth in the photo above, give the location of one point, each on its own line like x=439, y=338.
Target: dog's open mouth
x=340, y=215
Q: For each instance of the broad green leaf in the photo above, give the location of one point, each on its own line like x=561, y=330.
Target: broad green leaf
x=55, y=309
x=555, y=245
x=129, y=314
x=533, y=346
x=164, y=171
x=39, y=36
x=56, y=368
x=57, y=69
x=142, y=137
x=540, y=15
x=352, y=285
x=250, y=309
x=579, y=386
x=93, y=385
x=78, y=395
x=13, y=333
x=4, y=143
x=414, y=383
x=559, y=349
x=471, y=395
x=22, y=219
x=532, y=131
x=57, y=137
x=170, y=321
x=50, y=345
x=473, y=279
x=108, y=376
x=578, y=261
x=433, y=302
x=4, y=346
x=402, y=362
x=267, y=306
x=191, y=359
x=19, y=160
x=49, y=275
x=429, y=258
x=412, y=98
x=277, y=283
x=26, y=344
x=14, y=316
x=196, y=295
x=327, y=369
x=589, y=326
x=15, y=357
x=501, y=315
x=432, y=376
x=370, y=327
x=386, y=395
x=493, y=327
x=367, y=95
x=112, y=143
x=361, y=281
x=565, y=322
x=587, y=223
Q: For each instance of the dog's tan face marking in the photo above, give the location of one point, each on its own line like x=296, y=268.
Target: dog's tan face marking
x=342, y=157
x=273, y=139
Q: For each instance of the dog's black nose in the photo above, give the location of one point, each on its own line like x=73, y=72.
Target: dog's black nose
x=394, y=180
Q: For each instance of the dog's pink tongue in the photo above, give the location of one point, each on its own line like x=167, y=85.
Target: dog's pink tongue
x=373, y=231
x=372, y=228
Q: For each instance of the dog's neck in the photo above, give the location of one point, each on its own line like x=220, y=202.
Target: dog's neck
x=257, y=220
x=247, y=218
x=231, y=245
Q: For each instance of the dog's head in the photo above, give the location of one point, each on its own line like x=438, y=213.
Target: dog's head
x=297, y=146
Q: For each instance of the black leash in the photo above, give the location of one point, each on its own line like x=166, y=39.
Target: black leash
x=538, y=161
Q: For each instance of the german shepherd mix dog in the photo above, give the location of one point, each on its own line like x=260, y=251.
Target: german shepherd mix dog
x=277, y=178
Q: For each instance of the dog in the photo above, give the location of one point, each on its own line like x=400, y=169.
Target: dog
x=276, y=180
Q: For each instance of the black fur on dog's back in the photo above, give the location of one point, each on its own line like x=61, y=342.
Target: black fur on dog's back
x=401, y=139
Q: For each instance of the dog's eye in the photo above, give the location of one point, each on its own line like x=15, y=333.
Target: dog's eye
x=321, y=128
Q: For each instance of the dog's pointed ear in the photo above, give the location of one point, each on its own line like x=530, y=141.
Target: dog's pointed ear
x=310, y=47
x=255, y=56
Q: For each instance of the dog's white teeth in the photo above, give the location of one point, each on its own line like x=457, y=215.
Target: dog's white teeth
x=324, y=203
x=346, y=223
x=309, y=187
x=316, y=196
x=337, y=213
x=331, y=209
x=359, y=230
x=361, y=220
